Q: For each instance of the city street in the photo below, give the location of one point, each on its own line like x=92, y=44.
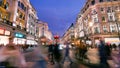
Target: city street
x=93, y=61
x=60, y=34
x=66, y=64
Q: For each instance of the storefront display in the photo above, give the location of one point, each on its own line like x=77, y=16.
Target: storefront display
x=19, y=38
x=4, y=36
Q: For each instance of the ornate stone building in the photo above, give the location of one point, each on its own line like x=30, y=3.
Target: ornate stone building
x=101, y=19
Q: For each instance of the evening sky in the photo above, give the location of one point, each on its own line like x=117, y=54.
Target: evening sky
x=59, y=14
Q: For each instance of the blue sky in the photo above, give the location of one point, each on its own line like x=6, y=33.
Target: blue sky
x=59, y=14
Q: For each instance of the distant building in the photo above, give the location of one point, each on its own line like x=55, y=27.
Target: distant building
x=68, y=35
x=45, y=35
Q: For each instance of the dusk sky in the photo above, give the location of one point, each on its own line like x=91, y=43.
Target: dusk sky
x=59, y=14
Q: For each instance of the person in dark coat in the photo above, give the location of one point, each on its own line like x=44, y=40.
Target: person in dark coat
x=103, y=55
x=57, y=54
x=51, y=53
x=108, y=51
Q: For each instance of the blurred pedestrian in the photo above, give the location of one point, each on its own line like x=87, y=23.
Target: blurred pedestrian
x=103, y=55
x=119, y=47
x=67, y=54
x=51, y=53
x=11, y=55
x=108, y=51
x=39, y=56
x=115, y=46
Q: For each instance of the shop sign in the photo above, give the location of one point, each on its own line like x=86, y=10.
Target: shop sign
x=4, y=32
x=19, y=35
x=7, y=32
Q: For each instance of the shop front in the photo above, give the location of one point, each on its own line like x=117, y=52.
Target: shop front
x=4, y=36
x=112, y=41
x=19, y=38
x=31, y=41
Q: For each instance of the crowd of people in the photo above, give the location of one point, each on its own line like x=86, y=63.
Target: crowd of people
x=14, y=55
x=101, y=53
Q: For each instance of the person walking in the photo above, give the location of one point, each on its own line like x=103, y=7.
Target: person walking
x=51, y=53
x=67, y=54
x=103, y=55
x=40, y=57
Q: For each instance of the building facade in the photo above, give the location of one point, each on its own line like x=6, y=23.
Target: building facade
x=101, y=19
x=14, y=19
x=68, y=35
x=45, y=35
x=31, y=26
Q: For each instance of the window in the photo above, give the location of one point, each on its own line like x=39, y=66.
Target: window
x=22, y=5
x=0, y=2
x=100, y=0
x=19, y=4
x=109, y=10
x=111, y=17
x=7, y=5
x=117, y=8
x=119, y=27
x=24, y=8
x=103, y=19
x=20, y=15
x=93, y=2
x=104, y=28
x=0, y=14
x=112, y=28
x=95, y=20
x=102, y=9
x=108, y=0
x=97, y=30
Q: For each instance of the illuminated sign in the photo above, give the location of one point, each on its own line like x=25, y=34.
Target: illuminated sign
x=7, y=32
x=19, y=35
x=2, y=31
